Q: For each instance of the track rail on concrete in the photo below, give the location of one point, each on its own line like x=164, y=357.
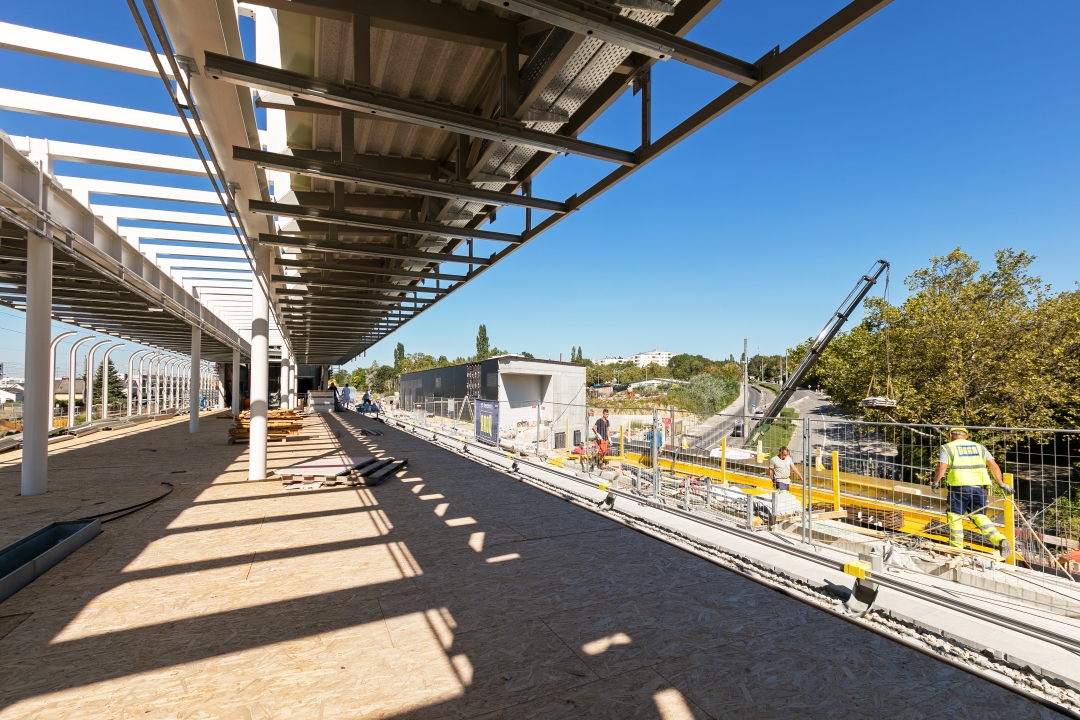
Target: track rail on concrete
x=953, y=603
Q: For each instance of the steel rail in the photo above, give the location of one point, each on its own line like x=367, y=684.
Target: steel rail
x=1063, y=641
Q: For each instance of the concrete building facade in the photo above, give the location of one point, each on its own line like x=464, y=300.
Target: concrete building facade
x=525, y=388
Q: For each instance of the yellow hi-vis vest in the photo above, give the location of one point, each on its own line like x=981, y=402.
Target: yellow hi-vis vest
x=967, y=463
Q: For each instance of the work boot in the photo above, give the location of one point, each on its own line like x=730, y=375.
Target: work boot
x=1005, y=549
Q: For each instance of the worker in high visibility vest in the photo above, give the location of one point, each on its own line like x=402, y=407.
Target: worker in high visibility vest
x=966, y=467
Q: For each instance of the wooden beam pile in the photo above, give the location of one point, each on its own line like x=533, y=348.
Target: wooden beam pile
x=280, y=424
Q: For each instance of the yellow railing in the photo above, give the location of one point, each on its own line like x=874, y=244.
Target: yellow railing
x=842, y=489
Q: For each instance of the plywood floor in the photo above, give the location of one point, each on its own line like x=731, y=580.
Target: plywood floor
x=449, y=591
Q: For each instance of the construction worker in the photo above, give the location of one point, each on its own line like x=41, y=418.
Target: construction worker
x=963, y=463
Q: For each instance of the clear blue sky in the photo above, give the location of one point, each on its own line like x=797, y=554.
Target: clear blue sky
x=932, y=125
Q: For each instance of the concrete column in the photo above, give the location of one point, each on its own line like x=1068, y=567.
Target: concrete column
x=72, y=377
x=37, y=403
x=235, y=382
x=260, y=367
x=105, y=381
x=196, y=379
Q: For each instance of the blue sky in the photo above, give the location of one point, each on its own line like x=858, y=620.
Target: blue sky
x=930, y=126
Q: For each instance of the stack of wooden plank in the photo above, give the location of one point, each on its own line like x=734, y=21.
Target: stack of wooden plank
x=280, y=424
x=366, y=471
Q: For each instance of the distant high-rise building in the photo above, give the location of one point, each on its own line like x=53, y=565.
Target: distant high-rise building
x=659, y=357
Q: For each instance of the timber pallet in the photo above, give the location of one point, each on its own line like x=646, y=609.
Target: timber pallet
x=325, y=471
x=374, y=474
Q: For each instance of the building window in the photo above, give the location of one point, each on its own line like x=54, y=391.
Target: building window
x=438, y=383
x=493, y=380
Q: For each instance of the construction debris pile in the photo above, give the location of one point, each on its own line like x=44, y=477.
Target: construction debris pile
x=280, y=424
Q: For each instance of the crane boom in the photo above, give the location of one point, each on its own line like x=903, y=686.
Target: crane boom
x=817, y=347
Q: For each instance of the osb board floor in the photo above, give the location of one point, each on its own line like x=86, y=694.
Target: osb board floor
x=449, y=591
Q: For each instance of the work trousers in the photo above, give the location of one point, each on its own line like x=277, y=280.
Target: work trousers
x=969, y=500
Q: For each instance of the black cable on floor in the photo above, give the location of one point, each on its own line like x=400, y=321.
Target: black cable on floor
x=130, y=509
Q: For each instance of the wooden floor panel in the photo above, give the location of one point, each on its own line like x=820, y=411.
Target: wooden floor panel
x=449, y=591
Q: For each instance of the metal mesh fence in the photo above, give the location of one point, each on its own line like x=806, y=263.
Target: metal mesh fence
x=852, y=481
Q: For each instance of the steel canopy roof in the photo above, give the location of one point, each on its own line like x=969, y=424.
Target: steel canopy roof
x=397, y=130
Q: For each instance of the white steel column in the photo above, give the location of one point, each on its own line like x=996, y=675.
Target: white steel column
x=196, y=379
x=283, y=380
x=88, y=391
x=235, y=382
x=37, y=398
x=142, y=385
x=260, y=366
x=131, y=375
x=219, y=378
x=105, y=381
x=71, y=379
x=290, y=372
x=52, y=364
x=154, y=398
x=172, y=380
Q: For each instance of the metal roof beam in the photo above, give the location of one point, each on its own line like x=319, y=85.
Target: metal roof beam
x=353, y=173
x=68, y=109
x=349, y=285
x=340, y=217
x=771, y=67
x=323, y=299
x=357, y=200
x=378, y=163
x=362, y=270
x=442, y=22
x=371, y=102
x=370, y=250
x=587, y=19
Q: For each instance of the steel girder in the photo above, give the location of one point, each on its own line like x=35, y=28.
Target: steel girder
x=384, y=251
x=346, y=284
x=348, y=172
x=587, y=19
x=341, y=217
x=368, y=270
x=372, y=102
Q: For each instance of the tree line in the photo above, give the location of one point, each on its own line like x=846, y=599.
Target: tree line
x=986, y=348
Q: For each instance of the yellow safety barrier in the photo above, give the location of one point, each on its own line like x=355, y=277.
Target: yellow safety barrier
x=860, y=570
x=864, y=492
x=835, y=479
x=1010, y=520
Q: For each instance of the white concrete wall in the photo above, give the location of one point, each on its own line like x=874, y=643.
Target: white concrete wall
x=560, y=387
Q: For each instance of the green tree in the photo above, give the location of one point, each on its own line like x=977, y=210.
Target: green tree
x=385, y=379
x=341, y=378
x=399, y=356
x=968, y=347
x=711, y=393
x=483, y=345
x=117, y=386
x=526, y=354
x=358, y=379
